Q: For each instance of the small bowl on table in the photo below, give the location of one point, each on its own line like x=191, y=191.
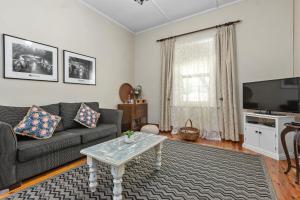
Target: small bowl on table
x=129, y=137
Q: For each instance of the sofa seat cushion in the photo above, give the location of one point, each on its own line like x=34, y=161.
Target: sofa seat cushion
x=89, y=135
x=30, y=149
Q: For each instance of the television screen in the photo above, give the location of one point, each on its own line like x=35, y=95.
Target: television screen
x=275, y=95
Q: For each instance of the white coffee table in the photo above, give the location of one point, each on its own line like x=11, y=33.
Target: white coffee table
x=117, y=153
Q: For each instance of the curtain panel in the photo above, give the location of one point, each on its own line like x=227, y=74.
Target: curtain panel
x=227, y=83
x=167, y=59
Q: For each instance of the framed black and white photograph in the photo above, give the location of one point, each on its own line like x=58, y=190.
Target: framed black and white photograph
x=79, y=69
x=29, y=60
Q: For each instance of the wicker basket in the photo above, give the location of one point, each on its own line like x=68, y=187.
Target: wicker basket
x=189, y=133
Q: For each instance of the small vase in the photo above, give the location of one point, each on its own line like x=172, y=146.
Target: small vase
x=129, y=140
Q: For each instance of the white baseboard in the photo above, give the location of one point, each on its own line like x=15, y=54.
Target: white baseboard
x=283, y=157
x=273, y=155
x=4, y=191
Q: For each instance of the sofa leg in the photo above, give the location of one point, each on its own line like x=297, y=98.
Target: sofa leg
x=16, y=185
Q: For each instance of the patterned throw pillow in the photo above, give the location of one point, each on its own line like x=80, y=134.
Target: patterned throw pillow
x=87, y=116
x=37, y=124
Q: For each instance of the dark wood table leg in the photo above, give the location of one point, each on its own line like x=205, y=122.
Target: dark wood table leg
x=283, y=141
x=296, y=139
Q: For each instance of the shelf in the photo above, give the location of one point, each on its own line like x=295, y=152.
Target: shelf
x=266, y=116
x=260, y=126
x=268, y=122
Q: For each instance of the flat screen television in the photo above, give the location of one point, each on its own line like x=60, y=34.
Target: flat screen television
x=280, y=95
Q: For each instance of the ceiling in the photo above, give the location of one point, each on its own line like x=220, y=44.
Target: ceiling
x=138, y=18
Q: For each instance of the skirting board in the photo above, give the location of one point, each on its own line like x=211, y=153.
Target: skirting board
x=4, y=191
x=268, y=153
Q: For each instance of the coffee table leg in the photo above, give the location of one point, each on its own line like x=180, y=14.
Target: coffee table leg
x=93, y=173
x=117, y=173
x=158, y=156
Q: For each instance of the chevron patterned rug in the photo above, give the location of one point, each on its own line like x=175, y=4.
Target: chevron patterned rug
x=189, y=171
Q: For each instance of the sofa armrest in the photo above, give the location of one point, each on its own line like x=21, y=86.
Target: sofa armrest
x=112, y=116
x=8, y=153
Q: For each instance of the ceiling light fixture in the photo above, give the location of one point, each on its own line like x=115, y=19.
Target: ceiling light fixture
x=140, y=1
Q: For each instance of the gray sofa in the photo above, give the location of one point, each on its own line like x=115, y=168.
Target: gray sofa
x=22, y=157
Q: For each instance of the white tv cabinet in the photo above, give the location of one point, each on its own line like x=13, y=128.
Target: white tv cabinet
x=262, y=134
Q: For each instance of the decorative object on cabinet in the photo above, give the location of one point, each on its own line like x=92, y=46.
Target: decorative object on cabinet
x=262, y=134
x=126, y=93
x=134, y=116
x=137, y=91
x=140, y=101
x=292, y=128
x=79, y=69
x=29, y=60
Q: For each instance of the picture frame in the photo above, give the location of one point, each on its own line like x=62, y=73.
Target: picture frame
x=29, y=60
x=79, y=68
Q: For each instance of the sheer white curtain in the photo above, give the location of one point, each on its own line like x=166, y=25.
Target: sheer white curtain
x=194, y=82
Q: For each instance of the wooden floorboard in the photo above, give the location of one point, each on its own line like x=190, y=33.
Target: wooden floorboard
x=284, y=185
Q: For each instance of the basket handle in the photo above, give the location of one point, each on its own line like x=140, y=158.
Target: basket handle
x=191, y=123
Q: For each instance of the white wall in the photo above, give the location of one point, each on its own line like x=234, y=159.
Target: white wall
x=297, y=37
x=67, y=24
x=264, y=45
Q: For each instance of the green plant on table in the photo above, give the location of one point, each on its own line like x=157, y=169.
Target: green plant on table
x=129, y=133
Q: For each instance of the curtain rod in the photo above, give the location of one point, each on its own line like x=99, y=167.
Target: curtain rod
x=205, y=29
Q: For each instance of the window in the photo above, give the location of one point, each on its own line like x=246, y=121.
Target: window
x=194, y=71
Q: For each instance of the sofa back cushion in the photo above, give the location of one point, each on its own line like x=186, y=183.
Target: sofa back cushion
x=13, y=115
x=68, y=112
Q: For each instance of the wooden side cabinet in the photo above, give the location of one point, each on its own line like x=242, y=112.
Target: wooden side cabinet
x=134, y=116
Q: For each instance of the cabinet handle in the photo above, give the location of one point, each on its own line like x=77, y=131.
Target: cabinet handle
x=256, y=131
x=260, y=132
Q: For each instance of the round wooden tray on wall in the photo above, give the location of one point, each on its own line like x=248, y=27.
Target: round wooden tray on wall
x=125, y=90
